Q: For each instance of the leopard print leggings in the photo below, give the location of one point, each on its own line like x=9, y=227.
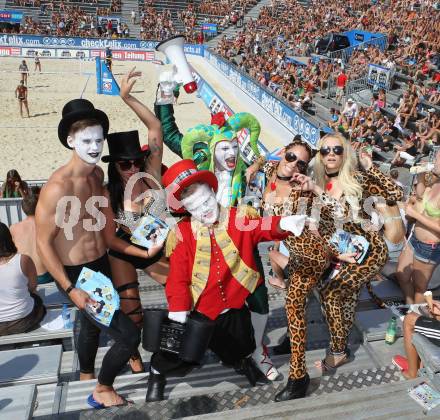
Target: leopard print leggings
x=339, y=296
x=305, y=268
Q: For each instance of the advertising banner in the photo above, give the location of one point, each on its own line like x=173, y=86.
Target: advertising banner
x=120, y=44
x=105, y=82
x=125, y=55
x=7, y=51
x=10, y=16
x=379, y=76
x=209, y=28
x=294, y=122
x=103, y=20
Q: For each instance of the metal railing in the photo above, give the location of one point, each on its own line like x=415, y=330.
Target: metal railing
x=345, y=54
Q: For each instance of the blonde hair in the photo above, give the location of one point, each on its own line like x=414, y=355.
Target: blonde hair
x=351, y=188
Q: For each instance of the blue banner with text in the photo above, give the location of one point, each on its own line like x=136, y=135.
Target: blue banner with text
x=293, y=121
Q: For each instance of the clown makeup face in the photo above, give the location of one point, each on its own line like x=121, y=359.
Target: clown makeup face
x=202, y=204
x=88, y=143
x=225, y=155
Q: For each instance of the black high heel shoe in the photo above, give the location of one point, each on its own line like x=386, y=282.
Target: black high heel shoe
x=295, y=388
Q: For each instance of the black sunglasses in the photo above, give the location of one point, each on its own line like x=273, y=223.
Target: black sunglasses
x=301, y=164
x=337, y=150
x=125, y=165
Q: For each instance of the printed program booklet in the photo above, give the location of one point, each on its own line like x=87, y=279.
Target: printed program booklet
x=255, y=190
x=100, y=289
x=150, y=231
x=424, y=395
x=348, y=243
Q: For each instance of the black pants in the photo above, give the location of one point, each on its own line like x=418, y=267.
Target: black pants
x=122, y=329
x=232, y=340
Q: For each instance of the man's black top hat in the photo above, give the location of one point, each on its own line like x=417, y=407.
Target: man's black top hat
x=124, y=146
x=77, y=110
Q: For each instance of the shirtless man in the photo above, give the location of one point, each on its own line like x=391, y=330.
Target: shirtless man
x=23, y=234
x=21, y=93
x=70, y=236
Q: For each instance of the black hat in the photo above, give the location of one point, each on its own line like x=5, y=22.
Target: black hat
x=124, y=146
x=77, y=110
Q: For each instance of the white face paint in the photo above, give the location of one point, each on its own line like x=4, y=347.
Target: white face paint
x=202, y=205
x=225, y=155
x=88, y=144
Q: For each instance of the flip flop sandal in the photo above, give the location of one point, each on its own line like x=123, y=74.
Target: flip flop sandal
x=99, y=406
x=332, y=369
x=277, y=287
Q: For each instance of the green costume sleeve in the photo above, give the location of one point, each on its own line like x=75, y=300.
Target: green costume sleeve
x=242, y=120
x=172, y=137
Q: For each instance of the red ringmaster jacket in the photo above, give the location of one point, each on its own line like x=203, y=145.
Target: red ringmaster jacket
x=214, y=269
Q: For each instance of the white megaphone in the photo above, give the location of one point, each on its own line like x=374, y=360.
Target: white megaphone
x=173, y=49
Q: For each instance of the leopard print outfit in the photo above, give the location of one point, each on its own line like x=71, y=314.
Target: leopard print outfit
x=308, y=260
x=339, y=295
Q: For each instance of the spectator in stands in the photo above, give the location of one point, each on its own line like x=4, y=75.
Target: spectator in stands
x=428, y=326
x=24, y=236
x=14, y=187
x=341, y=81
x=21, y=310
x=422, y=253
x=350, y=111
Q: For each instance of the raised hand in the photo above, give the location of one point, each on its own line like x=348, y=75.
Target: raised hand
x=128, y=82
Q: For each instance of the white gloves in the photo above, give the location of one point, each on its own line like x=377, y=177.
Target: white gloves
x=294, y=224
x=167, y=83
x=178, y=316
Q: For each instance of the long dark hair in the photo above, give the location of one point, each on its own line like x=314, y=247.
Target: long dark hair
x=115, y=187
x=9, y=188
x=7, y=246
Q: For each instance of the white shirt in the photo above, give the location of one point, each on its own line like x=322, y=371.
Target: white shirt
x=223, y=195
x=350, y=110
x=15, y=299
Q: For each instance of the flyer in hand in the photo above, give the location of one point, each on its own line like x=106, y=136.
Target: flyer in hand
x=348, y=243
x=100, y=289
x=424, y=395
x=150, y=231
x=255, y=190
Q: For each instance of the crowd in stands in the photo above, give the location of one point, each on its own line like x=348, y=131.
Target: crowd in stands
x=154, y=24
x=264, y=48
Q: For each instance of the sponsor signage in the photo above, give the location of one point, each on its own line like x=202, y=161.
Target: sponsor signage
x=6, y=51
x=125, y=55
x=209, y=28
x=378, y=76
x=119, y=44
x=294, y=122
x=10, y=16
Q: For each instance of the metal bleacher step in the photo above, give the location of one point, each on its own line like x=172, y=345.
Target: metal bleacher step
x=214, y=400
x=385, y=401
x=17, y=402
x=35, y=365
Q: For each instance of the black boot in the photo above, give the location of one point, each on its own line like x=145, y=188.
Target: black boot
x=295, y=388
x=283, y=347
x=248, y=368
x=156, y=387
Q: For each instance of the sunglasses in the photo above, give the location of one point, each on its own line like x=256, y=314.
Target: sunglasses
x=301, y=164
x=125, y=165
x=337, y=150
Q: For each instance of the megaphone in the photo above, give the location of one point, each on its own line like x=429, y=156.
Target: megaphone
x=173, y=49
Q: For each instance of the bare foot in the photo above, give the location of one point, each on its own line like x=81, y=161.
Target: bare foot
x=407, y=375
x=86, y=376
x=276, y=282
x=136, y=365
x=107, y=395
